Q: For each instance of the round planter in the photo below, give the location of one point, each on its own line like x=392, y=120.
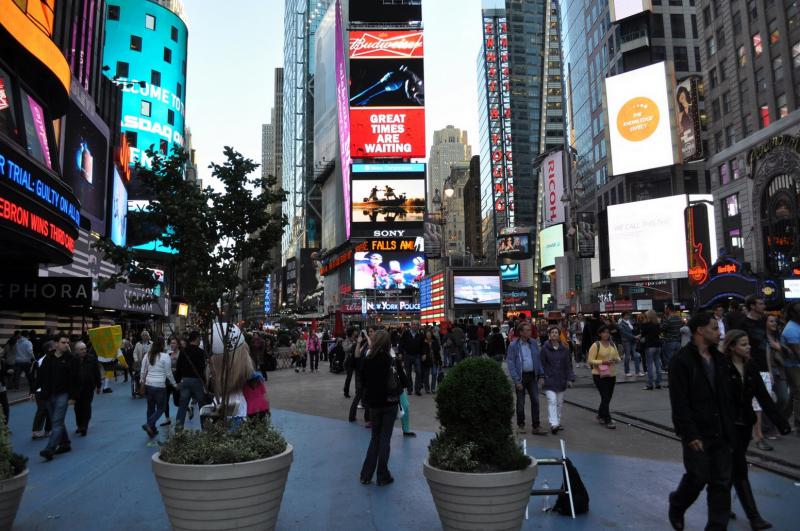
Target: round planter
x=10, y=495
x=241, y=496
x=486, y=502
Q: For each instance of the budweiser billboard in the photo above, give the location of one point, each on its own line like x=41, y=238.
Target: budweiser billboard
x=379, y=44
x=386, y=133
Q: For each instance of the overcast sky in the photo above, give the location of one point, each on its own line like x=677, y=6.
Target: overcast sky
x=234, y=48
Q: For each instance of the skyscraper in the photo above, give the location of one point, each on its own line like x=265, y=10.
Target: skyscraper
x=450, y=145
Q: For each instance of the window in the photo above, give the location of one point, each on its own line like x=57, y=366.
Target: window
x=796, y=54
x=179, y=90
x=712, y=77
x=167, y=55
x=149, y=22
x=170, y=117
x=658, y=25
x=747, y=125
x=707, y=16
x=122, y=69
x=761, y=79
x=720, y=38
x=736, y=242
x=752, y=10
x=737, y=23
x=726, y=103
x=145, y=108
x=763, y=111
x=711, y=47
x=133, y=137
x=724, y=176
x=681, y=58
x=723, y=65
x=793, y=15
x=757, y=44
x=715, y=109
x=731, y=204
x=694, y=26
x=774, y=32
x=658, y=53
x=136, y=43
x=735, y=169
x=676, y=3
x=783, y=110
x=730, y=136
x=155, y=78
x=113, y=12
x=718, y=142
x=678, y=27
x=742, y=56
x=174, y=34
x=697, y=66
x=777, y=68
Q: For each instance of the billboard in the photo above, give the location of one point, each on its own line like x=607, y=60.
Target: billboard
x=432, y=299
x=388, y=270
x=552, y=171
x=514, y=246
x=640, y=119
x=119, y=211
x=476, y=290
x=343, y=114
x=648, y=238
x=791, y=289
x=587, y=232
x=690, y=143
x=387, y=94
x=325, y=91
x=386, y=198
x=509, y=272
x=551, y=245
x=383, y=11
x=85, y=156
x=620, y=9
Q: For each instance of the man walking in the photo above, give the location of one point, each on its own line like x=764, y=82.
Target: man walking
x=349, y=346
x=141, y=349
x=190, y=374
x=58, y=381
x=89, y=384
x=791, y=364
x=699, y=396
x=525, y=367
x=23, y=359
x=411, y=347
x=671, y=333
x=629, y=341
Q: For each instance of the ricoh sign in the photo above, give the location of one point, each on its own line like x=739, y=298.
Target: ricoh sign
x=553, y=172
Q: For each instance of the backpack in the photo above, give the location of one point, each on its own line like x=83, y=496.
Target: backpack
x=393, y=387
x=580, y=496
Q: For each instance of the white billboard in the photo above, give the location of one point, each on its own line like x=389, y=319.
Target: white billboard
x=552, y=172
x=551, y=245
x=640, y=122
x=648, y=238
x=620, y=9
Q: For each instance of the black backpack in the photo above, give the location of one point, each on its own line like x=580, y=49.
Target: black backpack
x=393, y=386
x=580, y=496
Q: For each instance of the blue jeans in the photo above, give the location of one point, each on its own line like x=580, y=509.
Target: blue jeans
x=434, y=376
x=190, y=388
x=669, y=349
x=653, y=366
x=416, y=362
x=57, y=409
x=629, y=349
x=530, y=386
x=155, y=404
x=406, y=420
x=379, y=445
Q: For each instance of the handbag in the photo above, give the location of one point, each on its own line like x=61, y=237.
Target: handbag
x=209, y=397
x=142, y=387
x=400, y=412
x=393, y=387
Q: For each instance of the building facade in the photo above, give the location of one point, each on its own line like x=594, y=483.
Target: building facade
x=450, y=145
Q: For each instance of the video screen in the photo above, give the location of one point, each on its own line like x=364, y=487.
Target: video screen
x=386, y=11
x=394, y=201
x=387, y=83
x=119, y=211
x=514, y=246
x=388, y=270
x=476, y=290
x=791, y=288
x=509, y=272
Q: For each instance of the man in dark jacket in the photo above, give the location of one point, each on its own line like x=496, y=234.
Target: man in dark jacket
x=700, y=400
x=190, y=373
x=89, y=384
x=58, y=381
x=411, y=348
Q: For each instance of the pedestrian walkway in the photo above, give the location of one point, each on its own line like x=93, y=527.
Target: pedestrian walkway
x=106, y=481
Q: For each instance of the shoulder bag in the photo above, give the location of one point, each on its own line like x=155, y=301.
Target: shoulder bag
x=209, y=397
x=142, y=383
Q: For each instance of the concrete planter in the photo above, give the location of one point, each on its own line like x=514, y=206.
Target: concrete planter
x=10, y=495
x=240, y=496
x=486, y=502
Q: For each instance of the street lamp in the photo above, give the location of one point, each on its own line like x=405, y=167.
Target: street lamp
x=449, y=191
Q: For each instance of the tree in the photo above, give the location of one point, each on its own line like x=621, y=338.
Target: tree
x=214, y=234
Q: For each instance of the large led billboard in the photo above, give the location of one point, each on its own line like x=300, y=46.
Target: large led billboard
x=640, y=119
x=476, y=290
x=620, y=9
x=388, y=270
x=514, y=246
x=552, y=171
x=119, y=211
x=386, y=11
x=551, y=245
x=85, y=166
x=342, y=112
x=648, y=238
x=690, y=143
x=387, y=94
x=387, y=198
x=509, y=272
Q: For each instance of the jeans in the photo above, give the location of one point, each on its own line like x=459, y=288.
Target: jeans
x=555, y=401
x=434, y=376
x=406, y=420
x=41, y=420
x=347, y=381
x=19, y=368
x=710, y=469
x=379, y=445
x=313, y=357
x=793, y=381
x=416, y=362
x=606, y=388
x=57, y=409
x=474, y=347
x=190, y=388
x=83, y=408
x=357, y=399
x=653, y=366
x=630, y=351
x=175, y=394
x=669, y=349
x=529, y=385
x=155, y=404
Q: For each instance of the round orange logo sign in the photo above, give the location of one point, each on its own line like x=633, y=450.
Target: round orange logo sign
x=638, y=119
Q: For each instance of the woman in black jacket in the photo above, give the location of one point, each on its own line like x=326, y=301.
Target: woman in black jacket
x=496, y=345
x=382, y=400
x=745, y=383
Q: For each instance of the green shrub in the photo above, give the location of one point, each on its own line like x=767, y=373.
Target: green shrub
x=475, y=405
x=252, y=440
x=11, y=464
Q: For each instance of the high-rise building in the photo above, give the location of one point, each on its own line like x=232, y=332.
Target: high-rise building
x=472, y=215
x=750, y=54
x=268, y=149
x=450, y=145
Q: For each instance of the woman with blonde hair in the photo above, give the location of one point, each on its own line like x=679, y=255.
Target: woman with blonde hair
x=232, y=384
x=651, y=331
x=745, y=385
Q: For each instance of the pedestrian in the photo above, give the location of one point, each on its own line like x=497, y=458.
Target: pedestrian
x=777, y=353
x=525, y=368
x=746, y=386
x=629, y=342
x=156, y=371
x=3, y=390
x=89, y=384
x=361, y=350
x=239, y=373
x=699, y=394
x=127, y=355
x=141, y=349
x=258, y=348
x=671, y=334
x=58, y=385
x=23, y=358
x=495, y=345
x=431, y=361
x=405, y=420
x=42, y=427
x=755, y=324
x=191, y=375
x=313, y=348
x=255, y=394
x=299, y=352
x=382, y=397
x=349, y=346
x=651, y=331
x=791, y=363
x=411, y=345
x=558, y=375
x=603, y=358
x=172, y=392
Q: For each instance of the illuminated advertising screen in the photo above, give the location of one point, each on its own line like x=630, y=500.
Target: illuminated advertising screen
x=509, y=272
x=387, y=94
x=343, y=114
x=388, y=270
x=648, y=238
x=514, y=246
x=791, y=289
x=386, y=11
x=552, y=171
x=690, y=144
x=432, y=299
x=620, y=9
x=119, y=211
x=387, y=198
x=476, y=290
x=587, y=231
x=551, y=245
x=640, y=119
x=85, y=145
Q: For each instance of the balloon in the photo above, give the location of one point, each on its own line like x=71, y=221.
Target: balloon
x=218, y=335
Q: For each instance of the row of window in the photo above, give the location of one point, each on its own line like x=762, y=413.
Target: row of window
x=123, y=70
x=732, y=226
x=136, y=46
x=146, y=109
x=149, y=21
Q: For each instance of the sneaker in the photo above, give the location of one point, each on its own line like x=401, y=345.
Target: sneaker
x=37, y=435
x=384, y=482
x=409, y=434
x=166, y=422
x=611, y=425
x=560, y=427
x=628, y=374
x=555, y=429
x=658, y=386
x=641, y=374
x=47, y=454
x=538, y=430
x=360, y=406
x=297, y=370
x=764, y=445
x=62, y=449
x=647, y=388
x=108, y=390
